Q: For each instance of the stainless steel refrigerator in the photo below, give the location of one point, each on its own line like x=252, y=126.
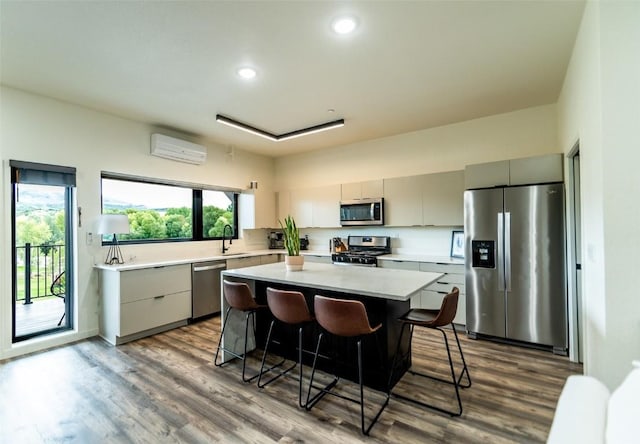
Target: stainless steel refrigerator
x=515, y=264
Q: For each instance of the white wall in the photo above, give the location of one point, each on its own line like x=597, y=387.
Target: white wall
x=38, y=129
x=522, y=133
x=600, y=106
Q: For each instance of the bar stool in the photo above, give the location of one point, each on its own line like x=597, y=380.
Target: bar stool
x=344, y=318
x=238, y=296
x=435, y=319
x=290, y=308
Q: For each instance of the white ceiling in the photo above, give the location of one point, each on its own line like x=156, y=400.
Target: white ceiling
x=408, y=66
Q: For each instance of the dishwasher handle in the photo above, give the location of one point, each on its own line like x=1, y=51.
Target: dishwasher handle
x=210, y=267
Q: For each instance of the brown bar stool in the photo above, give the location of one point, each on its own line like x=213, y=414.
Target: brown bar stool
x=435, y=319
x=238, y=296
x=290, y=308
x=344, y=318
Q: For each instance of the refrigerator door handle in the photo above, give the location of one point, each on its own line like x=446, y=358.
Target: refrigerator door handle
x=507, y=250
x=500, y=251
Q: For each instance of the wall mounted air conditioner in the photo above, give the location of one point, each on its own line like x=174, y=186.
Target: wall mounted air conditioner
x=176, y=149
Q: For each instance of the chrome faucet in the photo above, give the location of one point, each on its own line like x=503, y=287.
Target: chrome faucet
x=224, y=230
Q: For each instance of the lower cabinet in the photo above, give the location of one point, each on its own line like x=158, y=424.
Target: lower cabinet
x=142, y=302
x=431, y=297
x=323, y=259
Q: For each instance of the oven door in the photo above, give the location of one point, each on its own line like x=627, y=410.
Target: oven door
x=362, y=212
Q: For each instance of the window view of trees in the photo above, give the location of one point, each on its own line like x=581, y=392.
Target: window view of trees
x=158, y=211
x=39, y=233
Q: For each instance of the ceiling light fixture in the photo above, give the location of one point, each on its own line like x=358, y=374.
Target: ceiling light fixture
x=244, y=127
x=247, y=73
x=275, y=137
x=344, y=25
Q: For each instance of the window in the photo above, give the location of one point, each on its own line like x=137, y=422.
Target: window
x=164, y=212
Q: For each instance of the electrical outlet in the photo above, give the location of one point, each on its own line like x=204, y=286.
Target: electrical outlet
x=89, y=238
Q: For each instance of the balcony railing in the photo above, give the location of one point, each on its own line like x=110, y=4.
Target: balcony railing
x=37, y=268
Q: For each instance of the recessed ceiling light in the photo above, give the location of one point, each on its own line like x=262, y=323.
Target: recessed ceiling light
x=247, y=73
x=344, y=25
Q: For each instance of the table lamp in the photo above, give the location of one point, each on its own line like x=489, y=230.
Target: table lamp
x=113, y=224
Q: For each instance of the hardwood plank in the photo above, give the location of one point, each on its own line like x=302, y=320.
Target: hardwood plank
x=165, y=388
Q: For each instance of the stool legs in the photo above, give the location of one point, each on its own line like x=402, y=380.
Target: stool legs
x=264, y=357
x=249, y=314
x=327, y=390
x=455, y=381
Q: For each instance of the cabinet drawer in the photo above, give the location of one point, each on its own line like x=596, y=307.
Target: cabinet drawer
x=399, y=265
x=269, y=259
x=243, y=262
x=154, y=312
x=146, y=283
x=442, y=268
x=455, y=279
x=443, y=287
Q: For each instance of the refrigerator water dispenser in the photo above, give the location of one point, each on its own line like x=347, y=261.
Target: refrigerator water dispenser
x=483, y=254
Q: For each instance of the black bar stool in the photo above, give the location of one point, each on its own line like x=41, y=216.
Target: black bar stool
x=290, y=308
x=435, y=319
x=344, y=318
x=238, y=296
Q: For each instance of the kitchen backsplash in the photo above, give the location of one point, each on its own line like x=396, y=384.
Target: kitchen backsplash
x=434, y=241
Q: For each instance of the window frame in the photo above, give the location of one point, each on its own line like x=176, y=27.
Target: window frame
x=196, y=207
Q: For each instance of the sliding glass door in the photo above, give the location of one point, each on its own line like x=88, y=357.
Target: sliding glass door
x=42, y=249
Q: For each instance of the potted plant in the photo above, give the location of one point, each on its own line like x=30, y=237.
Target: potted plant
x=293, y=260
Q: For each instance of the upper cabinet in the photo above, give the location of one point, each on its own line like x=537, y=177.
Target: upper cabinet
x=525, y=171
x=362, y=190
x=317, y=207
x=257, y=209
x=443, y=198
x=403, y=201
x=428, y=199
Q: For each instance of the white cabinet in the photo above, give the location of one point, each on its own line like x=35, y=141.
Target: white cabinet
x=257, y=209
x=325, y=206
x=443, y=198
x=403, y=201
x=362, y=190
x=301, y=207
x=317, y=207
x=243, y=262
x=138, y=303
x=323, y=259
x=283, y=205
x=428, y=199
x=431, y=297
x=270, y=259
x=528, y=170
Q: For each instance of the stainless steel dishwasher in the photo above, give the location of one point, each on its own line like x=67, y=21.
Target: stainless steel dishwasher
x=205, y=288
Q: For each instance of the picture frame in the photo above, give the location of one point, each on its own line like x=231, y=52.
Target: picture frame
x=457, y=244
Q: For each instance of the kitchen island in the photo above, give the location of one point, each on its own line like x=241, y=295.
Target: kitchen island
x=385, y=293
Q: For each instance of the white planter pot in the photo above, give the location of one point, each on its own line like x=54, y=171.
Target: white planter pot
x=294, y=263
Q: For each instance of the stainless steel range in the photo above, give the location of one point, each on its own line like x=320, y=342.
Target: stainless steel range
x=363, y=250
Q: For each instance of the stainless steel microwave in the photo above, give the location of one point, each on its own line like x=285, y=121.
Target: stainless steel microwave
x=362, y=212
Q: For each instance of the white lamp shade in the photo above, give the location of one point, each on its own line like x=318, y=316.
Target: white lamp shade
x=113, y=224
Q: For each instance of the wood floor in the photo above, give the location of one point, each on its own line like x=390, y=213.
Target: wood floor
x=166, y=389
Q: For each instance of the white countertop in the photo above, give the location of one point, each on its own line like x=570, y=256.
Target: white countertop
x=421, y=258
x=187, y=260
x=385, y=283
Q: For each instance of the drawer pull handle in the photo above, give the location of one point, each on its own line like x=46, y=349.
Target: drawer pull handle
x=443, y=292
x=158, y=297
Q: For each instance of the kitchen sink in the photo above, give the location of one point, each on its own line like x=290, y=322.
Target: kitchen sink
x=233, y=254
